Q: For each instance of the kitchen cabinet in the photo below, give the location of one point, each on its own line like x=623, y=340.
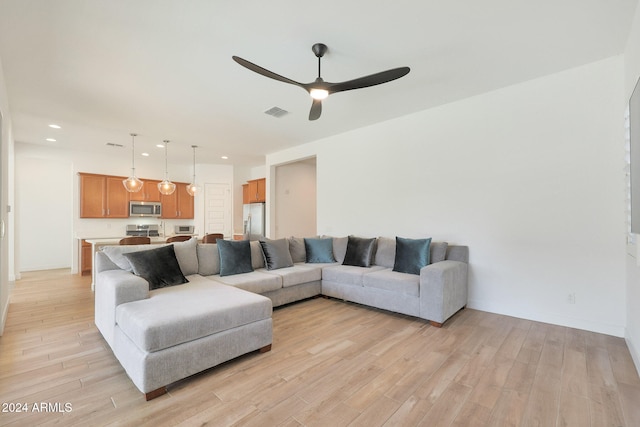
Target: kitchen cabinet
x=178, y=205
x=245, y=194
x=256, y=189
x=86, y=258
x=103, y=196
x=149, y=192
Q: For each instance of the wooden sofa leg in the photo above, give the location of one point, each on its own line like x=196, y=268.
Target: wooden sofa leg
x=436, y=324
x=155, y=393
x=265, y=348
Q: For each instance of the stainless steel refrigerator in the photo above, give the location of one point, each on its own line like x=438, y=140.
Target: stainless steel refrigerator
x=253, y=218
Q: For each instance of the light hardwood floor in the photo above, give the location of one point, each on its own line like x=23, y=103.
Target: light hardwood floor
x=332, y=364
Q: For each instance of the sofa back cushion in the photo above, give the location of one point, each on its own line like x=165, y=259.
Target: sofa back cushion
x=208, y=259
x=257, y=257
x=185, y=253
x=340, y=248
x=297, y=250
x=386, y=252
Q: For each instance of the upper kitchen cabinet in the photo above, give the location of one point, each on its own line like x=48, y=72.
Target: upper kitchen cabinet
x=178, y=205
x=256, y=191
x=149, y=192
x=103, y=196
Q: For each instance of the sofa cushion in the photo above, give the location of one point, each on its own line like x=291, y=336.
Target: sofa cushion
x=438, y=251
x=340, y=248
x=393, y=281
x=359, y=251
x=298, y=274
x=235, y=257
x=257, y=257
x=297, y=250
x=208, y=259
x=319, y=250
x=173, y=316
x=258, y=281
x=276, y=254
x=411, y=255
x=187, y=256
x=385, y=252
x=157, y=266
x=116, y=253
x=347, y=274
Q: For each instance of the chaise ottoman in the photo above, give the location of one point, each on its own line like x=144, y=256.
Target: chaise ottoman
x=183, y=330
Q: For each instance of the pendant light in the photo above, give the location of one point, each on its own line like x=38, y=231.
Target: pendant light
x=133, y=184
x=166, y=187
x=193, y=188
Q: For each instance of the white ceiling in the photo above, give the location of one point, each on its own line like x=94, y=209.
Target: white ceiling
x=104, y=68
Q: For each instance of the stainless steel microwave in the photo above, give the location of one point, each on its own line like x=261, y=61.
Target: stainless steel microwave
x=153, y=209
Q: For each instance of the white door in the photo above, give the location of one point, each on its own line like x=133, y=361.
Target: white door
x=218, y=209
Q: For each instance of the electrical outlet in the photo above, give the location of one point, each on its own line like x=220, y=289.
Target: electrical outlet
x=571, y=298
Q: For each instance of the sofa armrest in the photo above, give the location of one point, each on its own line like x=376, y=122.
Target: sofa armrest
x=115, y=287
x=443, y=290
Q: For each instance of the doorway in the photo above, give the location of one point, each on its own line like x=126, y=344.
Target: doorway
x=217, y=211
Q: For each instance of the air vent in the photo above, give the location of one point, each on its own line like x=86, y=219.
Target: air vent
x=111, y=144
x=276, y=112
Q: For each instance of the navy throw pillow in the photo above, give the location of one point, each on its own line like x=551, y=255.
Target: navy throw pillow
x=158, y=266
x=411, y=255
x=235, y=257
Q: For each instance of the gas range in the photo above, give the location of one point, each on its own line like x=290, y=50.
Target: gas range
x=146, y=230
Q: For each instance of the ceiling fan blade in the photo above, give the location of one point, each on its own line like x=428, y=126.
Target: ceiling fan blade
x=370, y=80
x=316, y=110
x=263, y=71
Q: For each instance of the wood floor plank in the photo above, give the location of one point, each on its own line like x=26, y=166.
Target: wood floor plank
x=332, y=363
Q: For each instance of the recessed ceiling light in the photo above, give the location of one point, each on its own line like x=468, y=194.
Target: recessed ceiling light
x=54, y=126
x=51, y=140
x=224, y=157
x=144, y=154
x=160, y=145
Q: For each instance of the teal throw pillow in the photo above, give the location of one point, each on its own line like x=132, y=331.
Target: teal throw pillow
x=411, y=255
x=319, y=250
x=235, y=257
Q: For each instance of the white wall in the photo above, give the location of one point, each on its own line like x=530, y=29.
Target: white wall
x=295, y=199
x=632, y=73
x=530, y=177
x=44, y=209
x=6, y=199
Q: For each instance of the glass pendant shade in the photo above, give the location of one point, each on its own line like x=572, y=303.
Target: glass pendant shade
x=192, y=188
x=133, y=184
x=166, y=187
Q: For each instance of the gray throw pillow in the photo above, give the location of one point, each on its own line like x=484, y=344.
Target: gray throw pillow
x=235, y=257
x=359, y=252
x=411, y=255
x=319, y=250
x=158, y=266
x=276, y=254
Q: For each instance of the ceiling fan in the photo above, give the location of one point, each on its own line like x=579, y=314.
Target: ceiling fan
x=319, y=89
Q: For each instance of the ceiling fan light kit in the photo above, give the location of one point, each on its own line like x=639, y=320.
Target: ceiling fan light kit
x=319, y=89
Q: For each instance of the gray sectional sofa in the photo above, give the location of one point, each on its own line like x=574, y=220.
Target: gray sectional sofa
x=218, y=310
